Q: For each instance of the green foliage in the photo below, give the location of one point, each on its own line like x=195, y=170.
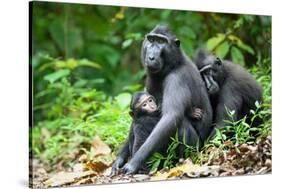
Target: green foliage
x=52, y=77
x=230, y=45
x=213, y=42
x=223, y=44
x=110, y=37
x=123, y=100
x=77, y=127
x=243, y=131
x=168, y=160
x=72, y=112
x=237, y=56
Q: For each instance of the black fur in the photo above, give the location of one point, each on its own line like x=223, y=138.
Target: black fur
x=177, y=86
x=142, y=125
x=230, y=86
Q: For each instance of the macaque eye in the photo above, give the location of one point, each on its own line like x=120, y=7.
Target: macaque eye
x=144, y=105
x=150, y=39
x=218, y=62
x=160, y=41
x=150, y=100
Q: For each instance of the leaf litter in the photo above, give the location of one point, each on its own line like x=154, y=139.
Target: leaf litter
x=95, y=168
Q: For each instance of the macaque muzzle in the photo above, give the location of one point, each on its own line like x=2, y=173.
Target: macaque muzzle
x=147, y=103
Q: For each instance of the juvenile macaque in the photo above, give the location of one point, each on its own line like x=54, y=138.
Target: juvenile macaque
x=145, y=114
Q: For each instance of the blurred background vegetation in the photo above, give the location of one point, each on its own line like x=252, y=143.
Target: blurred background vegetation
x=86, y=64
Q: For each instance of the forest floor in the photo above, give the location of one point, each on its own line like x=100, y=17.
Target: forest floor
x=243, y=159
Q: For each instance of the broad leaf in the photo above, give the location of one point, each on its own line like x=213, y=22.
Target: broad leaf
x=237, y=56
x=57, y=75
x=241, y=44
x=214, y=41
x=222, y=49
x=245, y=47
x=127, y=43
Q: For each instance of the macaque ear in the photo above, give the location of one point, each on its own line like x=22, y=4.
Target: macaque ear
x=131, y=113
x=178, y=43
x=218, y=61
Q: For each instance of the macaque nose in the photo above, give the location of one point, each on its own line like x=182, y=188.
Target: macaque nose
x=152, y=106
x=151, y=57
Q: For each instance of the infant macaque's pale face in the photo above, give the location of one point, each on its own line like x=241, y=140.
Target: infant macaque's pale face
x=147, y=103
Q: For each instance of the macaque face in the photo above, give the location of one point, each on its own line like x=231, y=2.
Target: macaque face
x=147, y=103
x=211, y=74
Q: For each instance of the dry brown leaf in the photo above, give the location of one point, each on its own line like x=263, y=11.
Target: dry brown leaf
x=63, y=178
x=99, y=163
x=100, y=147
x=228, y=143
x=107, y=172
x=83, y=158
x=79, y=167
x=188, y=168
x=97, y=166
x=86, y=180
x=268, y=163
x=160, y=176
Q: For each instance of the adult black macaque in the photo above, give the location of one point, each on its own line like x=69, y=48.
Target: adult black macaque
x=146, y=114
x=177, y=86
x=229, y=86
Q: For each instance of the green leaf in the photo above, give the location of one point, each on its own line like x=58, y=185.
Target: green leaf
x=85, y=62
x=57, y=33
x=123, y=100
x=73, y=63
x=132, y=88
x=257, y=104
x=214, y=41
x=69, y=63
x=245, y=47
x=241, y=44
x=98, y=81
x=57, y=75
x=155, y=165
x=127, y=43
x=237, y=56
x=134, y=36
x=238, y=23
x=222, y=49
